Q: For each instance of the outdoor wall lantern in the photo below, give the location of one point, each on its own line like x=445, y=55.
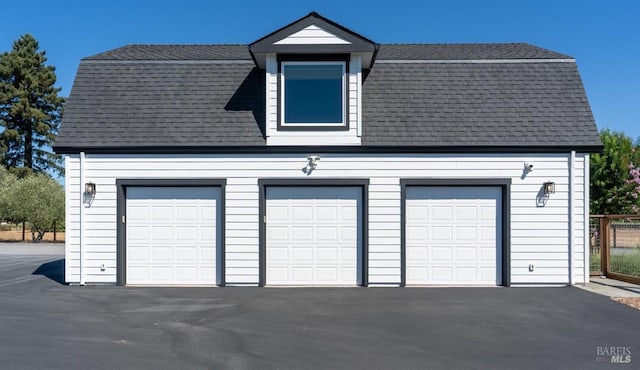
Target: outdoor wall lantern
x=90, y=189
x=549, y=187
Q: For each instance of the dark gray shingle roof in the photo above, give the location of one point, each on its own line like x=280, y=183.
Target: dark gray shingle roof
x=465, y=52
x=386, y=52
x=213, y=96
x=164, y=104
x=471, y=104
x=175, y=52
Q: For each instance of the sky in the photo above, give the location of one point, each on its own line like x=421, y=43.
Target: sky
x=603, y=36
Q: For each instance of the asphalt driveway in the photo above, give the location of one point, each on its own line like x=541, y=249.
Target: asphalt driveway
x=45, y=324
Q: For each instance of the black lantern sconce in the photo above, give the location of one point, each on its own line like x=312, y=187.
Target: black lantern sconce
x=549, y=187
x=90, y=189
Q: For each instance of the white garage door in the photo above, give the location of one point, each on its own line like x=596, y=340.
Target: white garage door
x=171, y=235
x=313, y=235
x=453, y=235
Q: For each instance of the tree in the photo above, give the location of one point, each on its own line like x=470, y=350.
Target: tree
x=7, y=184
x=39, y=201
x=30, y=108
x=615, y=175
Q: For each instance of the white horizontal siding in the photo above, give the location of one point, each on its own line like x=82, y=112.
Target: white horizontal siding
x=352, y=136
x=312, y=35
x=384, y=230
x=538, y=233
x=242, y=233
x=271, y=93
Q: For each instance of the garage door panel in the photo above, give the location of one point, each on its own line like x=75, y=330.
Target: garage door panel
x=327, y=274
x=488, y=234
x=466, y=213
x=187, y=214
x=138, y=233
x=327, y=214
x=278, y=254
x=186, y=233
x=487, y=273
x=416, y=233
x=302, y=274
x=349, y=255
x=349, y=234
x=312, y=235
x=208, y=254
x=278, y=274
x=277, y=233
x=186, y=273
x=275, y=213
x=186, y=253
x=162, y=274
x=302, y=254
x=301, y=214
x=160, y=253
x=441, y=233
x=327, y=254
x=417, y=273
x=301, y=233
x=171, y=235
x=136, y=213
x=451, y=235
x=348, y=213
x=327, y=233
x=139, y=273
x=441, y=254
x=135, y=253
x=468, y=274
x=488, y=213
x=416, y=213
x=207, y=234
x=161, y=213
x=442, y=274
x=160, y=233
x=466, y=254
x=441, y=213
x=416, y=254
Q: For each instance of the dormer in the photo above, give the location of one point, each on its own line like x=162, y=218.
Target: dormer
x=313, y=70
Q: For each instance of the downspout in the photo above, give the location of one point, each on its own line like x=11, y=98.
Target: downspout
x=82, y=215
x=572, y=160
x=587, y=238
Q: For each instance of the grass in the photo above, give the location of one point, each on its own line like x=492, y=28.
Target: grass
x=627, y=264
x=13, y=233
x=594, y=263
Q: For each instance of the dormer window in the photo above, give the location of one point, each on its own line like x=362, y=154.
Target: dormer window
x=313, y=94
x=313, y=82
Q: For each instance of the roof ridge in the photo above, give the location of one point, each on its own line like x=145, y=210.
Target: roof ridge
x=456, y=43
x=194, y=44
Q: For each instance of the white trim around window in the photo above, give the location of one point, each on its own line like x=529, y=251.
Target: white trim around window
x=325, y=116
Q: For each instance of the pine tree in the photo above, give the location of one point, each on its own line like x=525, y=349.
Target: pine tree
x=30, y=108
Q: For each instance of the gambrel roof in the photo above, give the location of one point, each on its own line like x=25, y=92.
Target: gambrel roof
x=416, y=97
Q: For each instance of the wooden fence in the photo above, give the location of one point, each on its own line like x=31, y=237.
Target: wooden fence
x=615, y=247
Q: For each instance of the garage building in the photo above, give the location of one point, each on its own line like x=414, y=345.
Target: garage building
x=317, y=157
